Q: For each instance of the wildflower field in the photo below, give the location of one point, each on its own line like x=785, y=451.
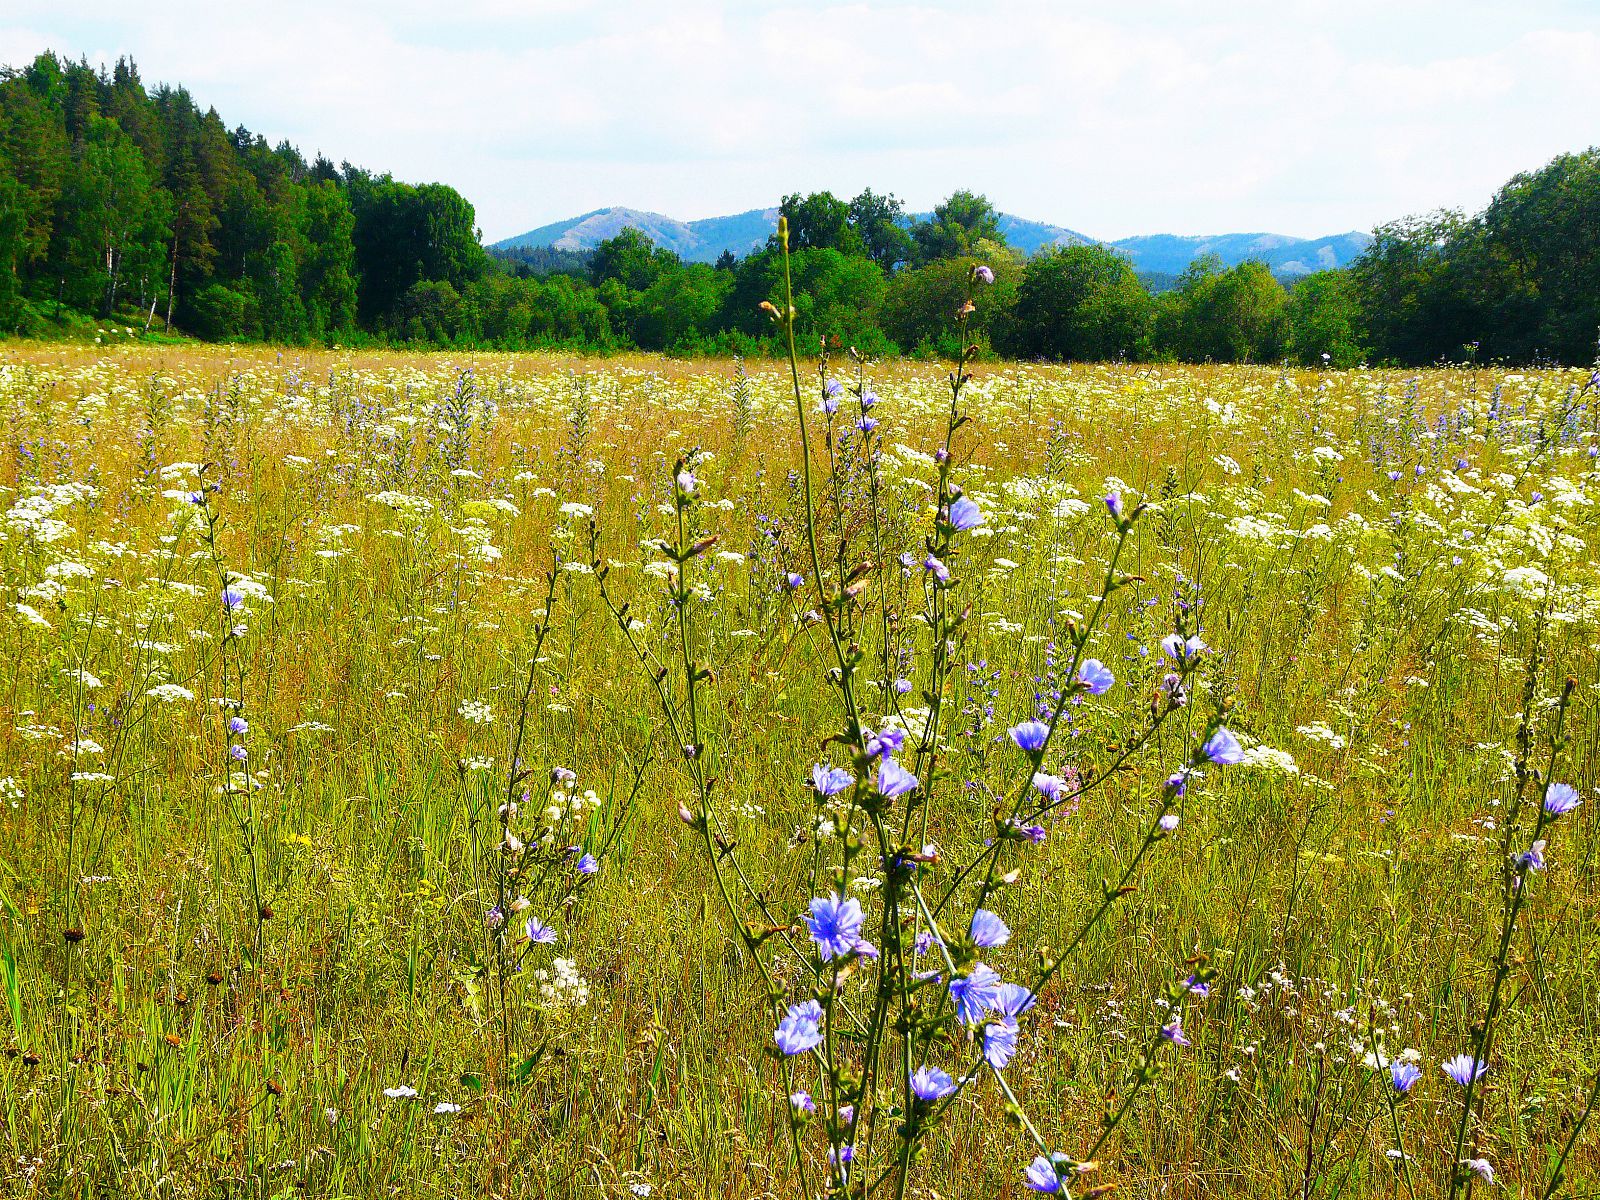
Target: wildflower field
x=444, y=775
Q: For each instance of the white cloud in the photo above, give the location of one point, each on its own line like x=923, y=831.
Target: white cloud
x=1309, y=117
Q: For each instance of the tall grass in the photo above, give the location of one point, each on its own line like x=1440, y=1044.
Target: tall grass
x=310, y=970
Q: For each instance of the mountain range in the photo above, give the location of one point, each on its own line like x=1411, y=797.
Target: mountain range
x=1156, y=254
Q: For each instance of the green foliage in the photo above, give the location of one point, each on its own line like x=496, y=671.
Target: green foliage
x=820, y=221
x=920, y=309
x=955, y=228
x=1217, y=315
x=1080, y=302
x=880, y=222
x=1324, y=318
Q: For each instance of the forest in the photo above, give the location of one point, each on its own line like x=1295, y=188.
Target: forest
x=134, y=209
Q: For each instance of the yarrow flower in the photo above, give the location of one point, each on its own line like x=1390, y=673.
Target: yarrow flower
x=1560, y=799
x=930, y=1084
x=1464, y=1069
x=801, y=1028
x=835, y=925
x=1030, y=735
x=1096, y=677
x=988, y=930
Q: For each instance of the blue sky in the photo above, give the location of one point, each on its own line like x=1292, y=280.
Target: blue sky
x=1295, y=116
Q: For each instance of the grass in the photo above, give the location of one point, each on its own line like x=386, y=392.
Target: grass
x=257, y=966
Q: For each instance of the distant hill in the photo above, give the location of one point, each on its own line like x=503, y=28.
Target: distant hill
x=1167, y=253
x=692, y=241
x=1159, y=254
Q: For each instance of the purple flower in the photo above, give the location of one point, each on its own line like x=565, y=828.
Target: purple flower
x=1013, y=999
x=830, y=405
x=869, y=399
x=867, y=424
x=884, y=744
x=1168, y=823
x=1223, y=748
x=999, y=1043
x=830, y=781
x=539, y=933
x=792, y=581
x=1481, y=1168
x=196, y=498
x=1533, y=856
x=238, y=725
x=588, y=864
x=801, y=1029
x=1560, y=799
x=936, y=568
x=965, y=514
x=1042, y=1174
x=1114, y=505
x=238, y=753
x=833, y=387
x=983, y=273
x=1394, y=476
x=895, y=780
x=802, y=1102
x=1096, y=676
x=1172, y=1032
x=1030, y=735
x=835, y=925
x=1049, y=786
x=930, y=1084
x=1404, y=1076
x=1197, y=987
x=988, y=930
x=975, y=993
x=232, y=597
x=1464, y=1069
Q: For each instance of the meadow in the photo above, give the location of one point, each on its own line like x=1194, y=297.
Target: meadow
x=418, y=772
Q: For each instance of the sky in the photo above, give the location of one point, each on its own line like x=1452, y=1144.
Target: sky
x=1303, y=117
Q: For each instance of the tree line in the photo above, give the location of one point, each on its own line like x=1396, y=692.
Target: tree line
x=134, y=206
